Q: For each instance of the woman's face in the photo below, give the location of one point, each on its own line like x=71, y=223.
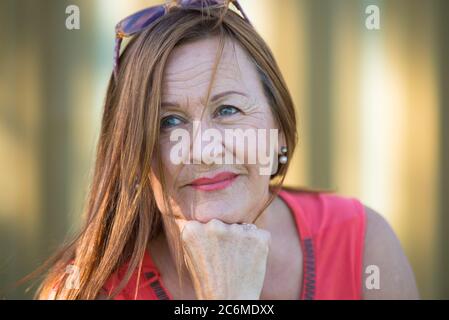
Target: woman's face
x=210, y=170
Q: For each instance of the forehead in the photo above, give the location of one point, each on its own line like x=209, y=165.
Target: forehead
x=189, y=70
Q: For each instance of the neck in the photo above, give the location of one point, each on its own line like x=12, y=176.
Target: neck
x=263, y=220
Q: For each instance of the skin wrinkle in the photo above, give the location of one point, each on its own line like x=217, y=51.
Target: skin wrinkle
x=178, y=76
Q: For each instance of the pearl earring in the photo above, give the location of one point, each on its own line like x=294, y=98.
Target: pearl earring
x=283, y=159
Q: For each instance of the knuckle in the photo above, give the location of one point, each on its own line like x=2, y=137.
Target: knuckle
x=190, y=230
x=216, y=226
x=235, y=228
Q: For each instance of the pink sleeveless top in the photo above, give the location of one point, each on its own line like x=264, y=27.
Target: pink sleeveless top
x=331, y=230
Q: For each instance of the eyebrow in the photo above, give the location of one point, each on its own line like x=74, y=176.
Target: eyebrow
x=213, y=99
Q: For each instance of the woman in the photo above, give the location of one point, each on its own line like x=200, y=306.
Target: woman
x=164, y=224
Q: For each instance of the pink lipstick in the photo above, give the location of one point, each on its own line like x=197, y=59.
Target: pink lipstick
x=218, y=182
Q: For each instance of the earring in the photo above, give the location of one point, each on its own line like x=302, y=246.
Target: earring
x=283, y=159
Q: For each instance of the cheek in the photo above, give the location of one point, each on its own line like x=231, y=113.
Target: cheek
x=180, y=204
x=165, y=145
x=256, y=181
x=170, y=168
x=258, y=151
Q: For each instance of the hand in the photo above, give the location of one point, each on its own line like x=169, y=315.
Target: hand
x=225, y=261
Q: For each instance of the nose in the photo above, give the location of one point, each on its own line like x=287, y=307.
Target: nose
x=207, y=144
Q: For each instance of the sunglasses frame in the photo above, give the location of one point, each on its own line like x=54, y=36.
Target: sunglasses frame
x=151, y=14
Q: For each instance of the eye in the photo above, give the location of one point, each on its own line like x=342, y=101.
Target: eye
x=227, y=110
x=170, y=121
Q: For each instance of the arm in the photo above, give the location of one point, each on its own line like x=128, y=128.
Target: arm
x=382, y=249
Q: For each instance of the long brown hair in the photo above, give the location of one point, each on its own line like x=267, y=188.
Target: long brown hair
x=121, y=215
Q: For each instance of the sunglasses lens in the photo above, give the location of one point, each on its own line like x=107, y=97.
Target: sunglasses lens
x=140, y=20
x=200, y=3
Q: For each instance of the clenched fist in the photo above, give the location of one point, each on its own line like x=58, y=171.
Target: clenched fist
x=225, y=261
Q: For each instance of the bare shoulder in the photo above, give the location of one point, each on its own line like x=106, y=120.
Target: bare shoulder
x=387, y=273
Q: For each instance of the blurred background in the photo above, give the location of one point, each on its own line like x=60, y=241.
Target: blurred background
x=373, y=109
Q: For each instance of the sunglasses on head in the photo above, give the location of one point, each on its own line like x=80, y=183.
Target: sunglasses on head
x=141, y=20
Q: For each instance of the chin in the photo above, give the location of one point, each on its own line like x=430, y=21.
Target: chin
x=206, y=213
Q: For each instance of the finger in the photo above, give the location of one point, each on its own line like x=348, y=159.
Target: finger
x=248, y=226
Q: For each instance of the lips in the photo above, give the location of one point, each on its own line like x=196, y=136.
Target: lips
x=218, y=182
